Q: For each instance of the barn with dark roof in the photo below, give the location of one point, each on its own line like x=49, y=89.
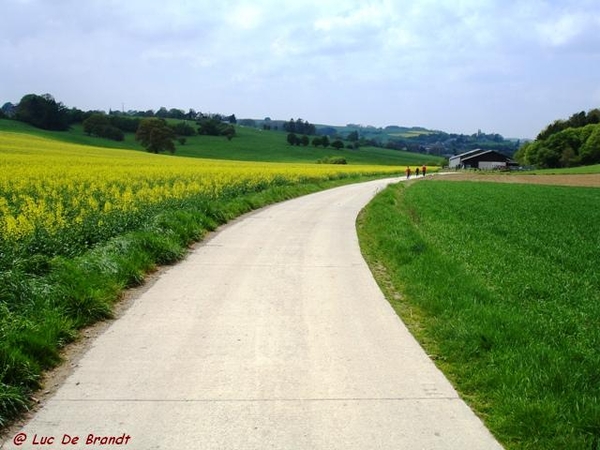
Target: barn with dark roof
x=480, y=159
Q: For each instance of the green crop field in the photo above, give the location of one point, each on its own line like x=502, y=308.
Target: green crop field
x=571, y=170
x=500, y=283
x=410, y=133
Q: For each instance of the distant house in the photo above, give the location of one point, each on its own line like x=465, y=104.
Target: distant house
x=480, y=159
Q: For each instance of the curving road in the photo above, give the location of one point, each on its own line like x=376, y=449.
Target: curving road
x=271, y=335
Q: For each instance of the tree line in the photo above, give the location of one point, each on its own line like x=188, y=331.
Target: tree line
x=151, y=128
x=565, y=143
x=299, y=126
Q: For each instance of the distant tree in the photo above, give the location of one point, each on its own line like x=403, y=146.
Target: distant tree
x=126, y=124
x=228, y=132
x=304, y=140
x=42, y=111
x=75, y=115
x=325, y=141
x=231, y=119
x=328, y=131
x=299, y=126
x=175, y=113
x=353, y=136
x=191, y=114
x=214, y=126
x=182, y=140
x=316, y=141
x=100, y=125
x=9, y=109
x=247, y=122
x=155, y=135
x=183, y=129
x=209, y=126
x=92, y=123
x=162, y=112
x=290, y=126
x=267, y=123
x=292, y=139
x=337, y=144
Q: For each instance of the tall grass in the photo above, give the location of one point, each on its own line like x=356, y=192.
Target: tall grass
x=501, y=285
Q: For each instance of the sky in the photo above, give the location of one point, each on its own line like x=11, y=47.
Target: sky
x=499, y=66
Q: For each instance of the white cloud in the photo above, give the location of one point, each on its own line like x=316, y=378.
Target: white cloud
x=393, y=61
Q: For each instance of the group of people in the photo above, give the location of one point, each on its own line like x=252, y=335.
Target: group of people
x=409, y=171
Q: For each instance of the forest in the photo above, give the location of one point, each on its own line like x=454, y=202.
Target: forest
x=565, y=143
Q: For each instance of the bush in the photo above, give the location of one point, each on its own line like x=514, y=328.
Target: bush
x=332, y=160
x=100, y=125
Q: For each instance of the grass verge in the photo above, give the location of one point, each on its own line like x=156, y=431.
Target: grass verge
x=500, y=285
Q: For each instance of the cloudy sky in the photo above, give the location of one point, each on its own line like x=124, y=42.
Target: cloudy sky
x=502, y=66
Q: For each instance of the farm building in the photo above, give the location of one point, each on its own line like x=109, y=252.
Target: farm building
x=480, y=159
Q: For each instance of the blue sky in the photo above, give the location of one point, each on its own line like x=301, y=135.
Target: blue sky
x=502, y=66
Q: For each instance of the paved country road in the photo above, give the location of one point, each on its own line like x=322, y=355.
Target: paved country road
x=272, y=334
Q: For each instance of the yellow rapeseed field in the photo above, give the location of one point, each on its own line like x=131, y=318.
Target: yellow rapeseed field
x=51, y=186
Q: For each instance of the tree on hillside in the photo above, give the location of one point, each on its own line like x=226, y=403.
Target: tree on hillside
x=175, y=113
x=155, y=135
x=42, y=111
x=162, y=112
x=214, y=126
x=100, y=125
x=183, y=129
x=125, y=124
x=337, y=144
x=299, y=126
x=590, y=151
x=577, y=120
x=8, y=109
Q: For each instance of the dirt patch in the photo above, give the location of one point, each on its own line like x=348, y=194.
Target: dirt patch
x=583, y=180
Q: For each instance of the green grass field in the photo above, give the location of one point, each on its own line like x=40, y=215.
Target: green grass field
x=571, y=170
x=250, y=144
x=410, y=134
x=500, y=283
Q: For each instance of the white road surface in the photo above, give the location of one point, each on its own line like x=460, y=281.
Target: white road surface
x=270, y=335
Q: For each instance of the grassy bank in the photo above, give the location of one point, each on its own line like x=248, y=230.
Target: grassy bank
x=500, y=284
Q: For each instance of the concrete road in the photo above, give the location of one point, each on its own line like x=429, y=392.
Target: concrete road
x=270, y=335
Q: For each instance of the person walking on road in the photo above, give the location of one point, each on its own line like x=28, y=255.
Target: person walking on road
x=417, y=171
x=423, y=169
x=407, y=172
